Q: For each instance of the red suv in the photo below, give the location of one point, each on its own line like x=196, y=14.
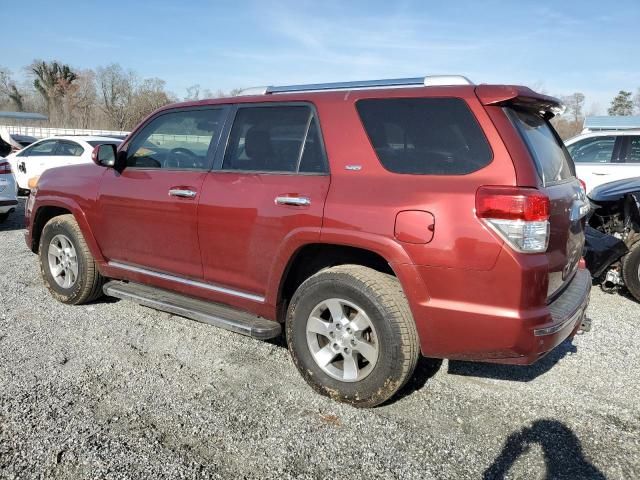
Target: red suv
x=375, y=221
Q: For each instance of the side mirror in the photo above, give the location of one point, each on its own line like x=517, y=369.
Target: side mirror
x=104, y=155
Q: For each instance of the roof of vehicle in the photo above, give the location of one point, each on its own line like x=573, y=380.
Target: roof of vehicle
x=84, y=138
x=601, y=133
x=605, y=122
x=436, y=85
x=23, y=116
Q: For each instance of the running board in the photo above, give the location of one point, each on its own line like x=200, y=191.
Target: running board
x=200, y=310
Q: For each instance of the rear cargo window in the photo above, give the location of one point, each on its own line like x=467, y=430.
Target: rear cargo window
x=426, y=136
x=553, y=162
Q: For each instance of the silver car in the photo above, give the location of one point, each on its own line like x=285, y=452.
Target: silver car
x=8, y=190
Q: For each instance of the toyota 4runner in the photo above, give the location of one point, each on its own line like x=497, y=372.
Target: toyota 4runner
x=373, y=221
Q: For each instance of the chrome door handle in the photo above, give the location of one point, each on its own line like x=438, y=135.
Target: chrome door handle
x=180, y=192
x=293, y=201
x=600, y=173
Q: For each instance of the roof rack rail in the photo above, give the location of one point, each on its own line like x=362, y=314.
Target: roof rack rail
x=428, y=81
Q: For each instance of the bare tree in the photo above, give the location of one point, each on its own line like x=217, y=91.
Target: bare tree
x=149, y=96
x=82, y=100
x=575, y=105
x=52, y=81
x=193, y=92
x=9, y=89
x=116, y=88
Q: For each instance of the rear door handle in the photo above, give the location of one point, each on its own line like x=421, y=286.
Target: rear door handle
x=600, y=173
x=293, y=201
x=182, y=192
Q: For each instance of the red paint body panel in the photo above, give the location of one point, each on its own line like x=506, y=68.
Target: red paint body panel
x=242, y=229
x=472, y=296
x=138, y=223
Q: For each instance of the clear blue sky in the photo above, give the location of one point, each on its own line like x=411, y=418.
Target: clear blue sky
x=557, y=46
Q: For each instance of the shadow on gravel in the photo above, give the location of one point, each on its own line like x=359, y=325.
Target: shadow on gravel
x=516, y=373
x=425, y=369
x=15, y=220
x=562, y=450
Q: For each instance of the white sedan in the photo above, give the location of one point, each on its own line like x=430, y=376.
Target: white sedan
x=604, y=156
x=8, y=190
x=53, y=152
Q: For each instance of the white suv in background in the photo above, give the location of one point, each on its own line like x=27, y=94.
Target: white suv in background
x=53, y=152
x=606, y=155
x=8, y=190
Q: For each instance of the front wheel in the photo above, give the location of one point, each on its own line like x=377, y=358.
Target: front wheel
x=351, y=334
x=631, y=270
x=67, y=266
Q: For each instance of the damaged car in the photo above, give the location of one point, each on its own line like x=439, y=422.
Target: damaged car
x=612, y=237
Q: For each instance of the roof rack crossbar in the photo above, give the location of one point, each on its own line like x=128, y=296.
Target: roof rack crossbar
x=428, y=81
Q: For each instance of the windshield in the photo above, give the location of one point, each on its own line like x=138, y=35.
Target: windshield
x=551, y=157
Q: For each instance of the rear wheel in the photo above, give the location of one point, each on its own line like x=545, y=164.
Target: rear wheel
x=67, y=266
x=3, y=217
x=351, y=334
x=631, y=270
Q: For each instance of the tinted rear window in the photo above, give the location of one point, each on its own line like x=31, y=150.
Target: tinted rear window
x=549, y=153
x=95, y=143
x=427, y=136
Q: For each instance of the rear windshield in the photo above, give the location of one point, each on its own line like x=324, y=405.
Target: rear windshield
x=549, y=153
x=95, y=143
x=427, y=136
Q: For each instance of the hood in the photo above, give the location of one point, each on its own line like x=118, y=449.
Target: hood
x=612, y=191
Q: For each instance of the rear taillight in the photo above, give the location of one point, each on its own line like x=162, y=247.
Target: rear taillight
x=5, y=168
x=519, y=215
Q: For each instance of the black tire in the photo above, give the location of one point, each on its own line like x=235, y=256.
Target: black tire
x=380, y=296
x=88, y=284
x=3, y=217
x=631, y=270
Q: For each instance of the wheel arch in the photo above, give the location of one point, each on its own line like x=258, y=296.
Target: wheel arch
x=310, y=258
x=44, y=211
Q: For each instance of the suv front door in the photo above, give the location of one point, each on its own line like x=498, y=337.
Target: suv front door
x=265, y=194
x=148, y=211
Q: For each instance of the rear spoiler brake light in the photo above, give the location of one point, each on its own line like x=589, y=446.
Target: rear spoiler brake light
x=522, y=97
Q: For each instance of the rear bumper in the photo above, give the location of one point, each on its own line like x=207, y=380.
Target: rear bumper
x=478, y=326
x=566, y=314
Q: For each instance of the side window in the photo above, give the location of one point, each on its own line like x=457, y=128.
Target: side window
x=593, y=150
x=632, y=154
x=69, y=149
x=177, y=140
x=275, y=139
x=47, y=147
x=425, y=136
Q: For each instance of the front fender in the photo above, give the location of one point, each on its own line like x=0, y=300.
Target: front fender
x=42, y=202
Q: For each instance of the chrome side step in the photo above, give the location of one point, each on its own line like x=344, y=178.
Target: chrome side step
x=200, y=310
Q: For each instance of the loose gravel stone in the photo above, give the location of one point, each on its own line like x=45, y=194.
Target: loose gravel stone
x=116, y=390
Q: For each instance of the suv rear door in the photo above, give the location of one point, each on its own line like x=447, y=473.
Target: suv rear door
x=265, y=195
x=148, y=211
x=568, y=202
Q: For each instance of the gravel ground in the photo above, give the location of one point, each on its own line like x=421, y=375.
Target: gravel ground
x=116, y=390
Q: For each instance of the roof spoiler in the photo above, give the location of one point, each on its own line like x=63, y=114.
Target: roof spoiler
x=522, y=97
